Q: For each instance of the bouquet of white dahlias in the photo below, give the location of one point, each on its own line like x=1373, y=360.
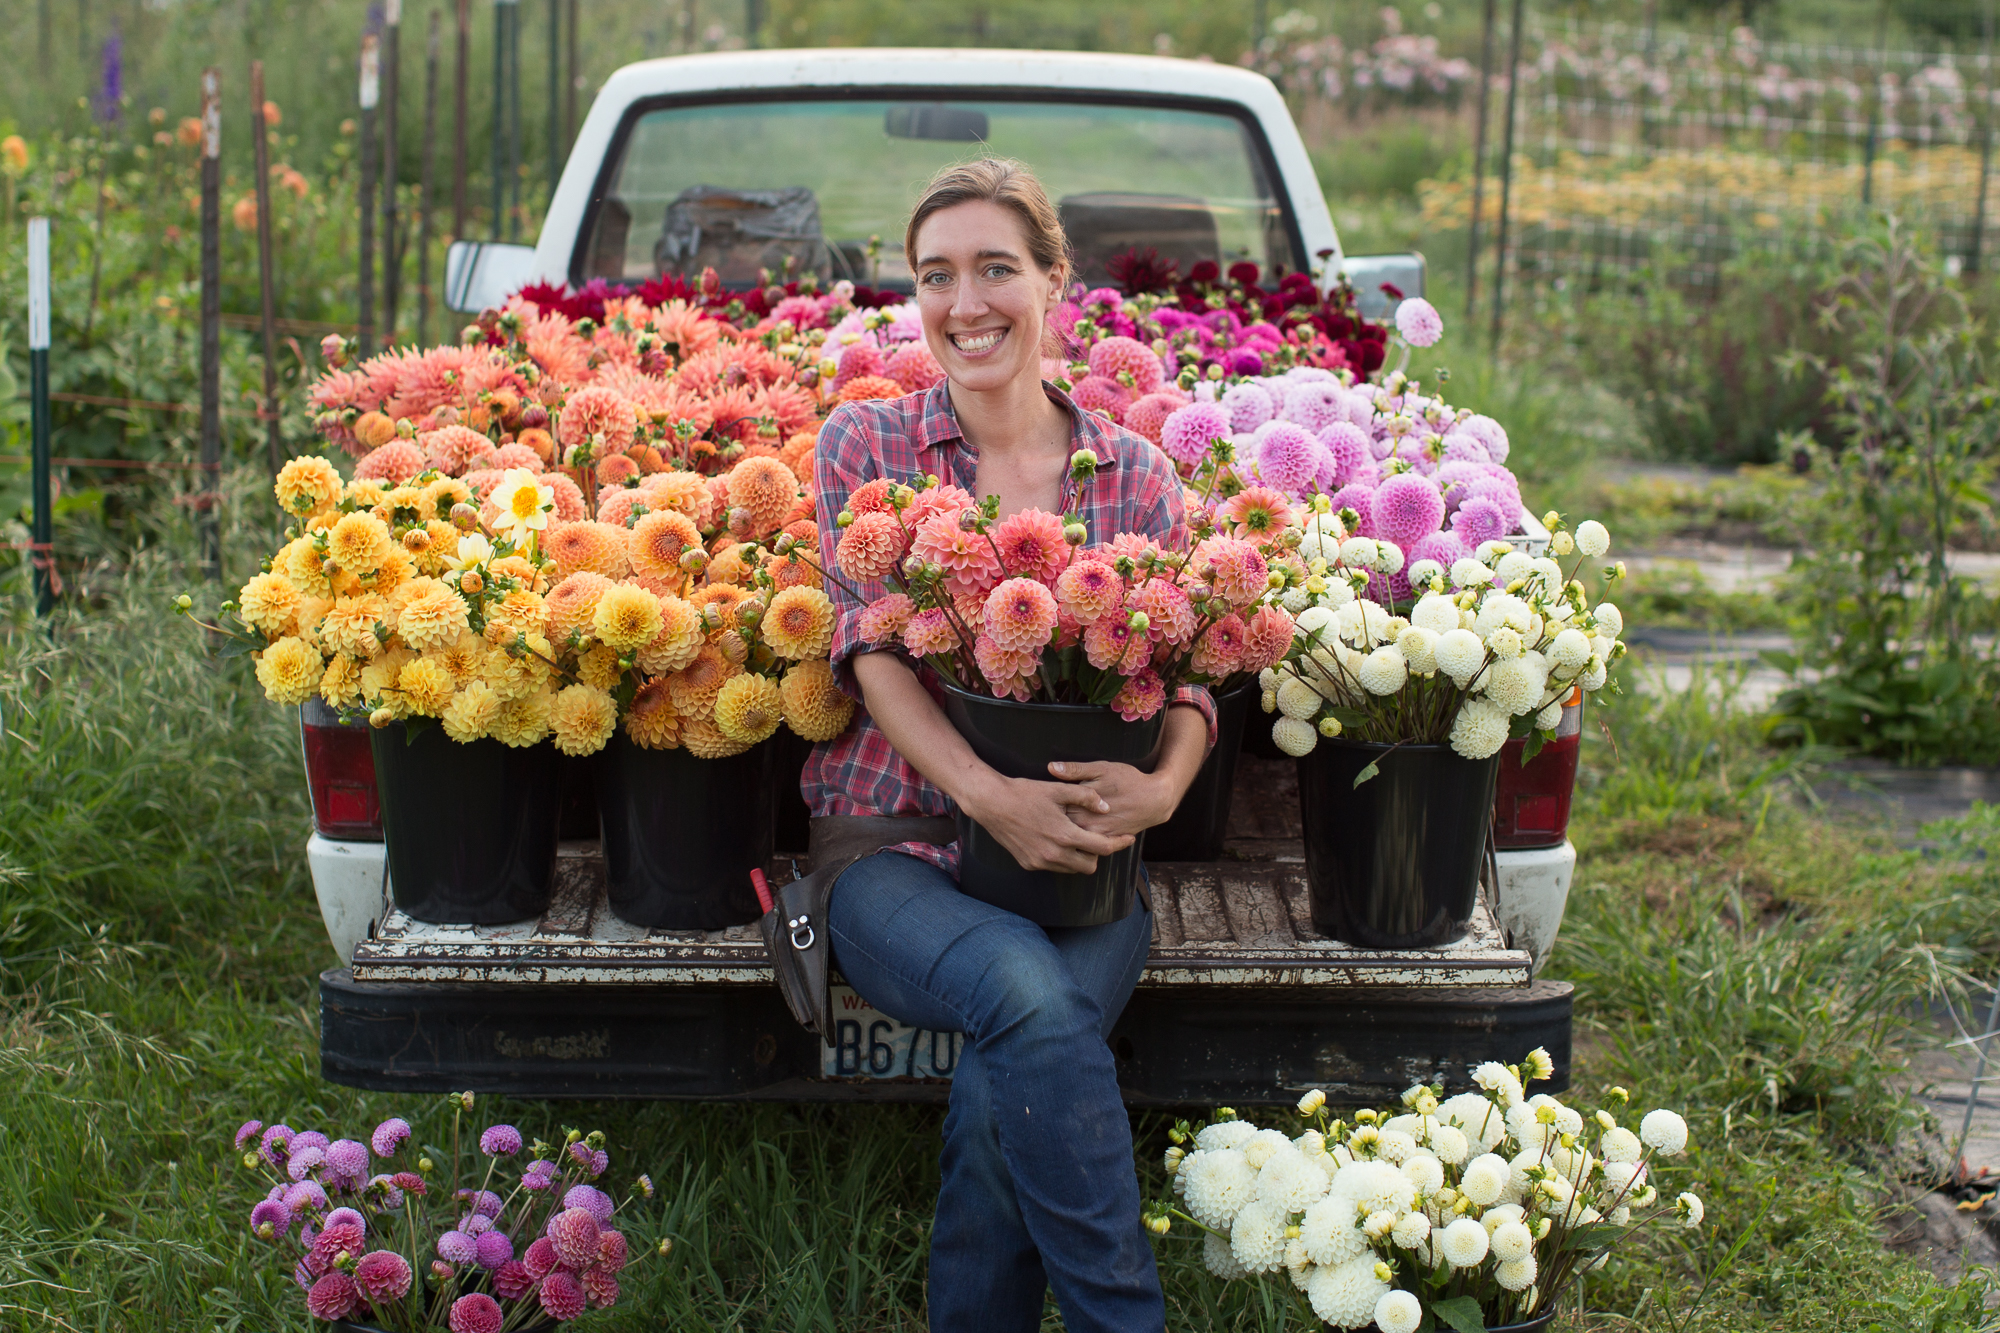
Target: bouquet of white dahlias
x=1477, y=1209
x=1491, y=647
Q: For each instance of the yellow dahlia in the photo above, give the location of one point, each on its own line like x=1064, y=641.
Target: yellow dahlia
x=270, y=603
x=395, y=570
x=519, y=612
x=516, y=567
x=442, y=494
x=586, y=545
x=353, y=625
x=402, y=506
x=598, y=668
x=341, y=685
x=799, y=624
x=573, y=605
x=627, y=618
x=680, y=638
x=307, y=485
x=748, y=708
x=441, y=539
x=735, y=563
x=683, y=492
x=512, y=676
x=428, y=614
x=359, y=543
x=523, y=721
x=815, y=708
x=365, y=492
x=471, y=713
x=464, y=657
x=425, y=685
x=582, y=719
x=695, y=685
x=651, y=723
x=704, y=740
x=300, y=562
x=289, y=670
x=654, y=546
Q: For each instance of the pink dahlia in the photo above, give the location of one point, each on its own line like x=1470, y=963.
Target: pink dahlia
x=1171, y=615
x=1447, y=548
x=1489, y=433
x=1361, y=499
x=334, y=1241
x=476, y=1313
x=383, y=1276
x=1096, y=393
x=913, y=367
x=1288, y=457
x=1418, y=321
x=858, y=360
x=1315, y=404
x=611, y=1250
x=592, y=1200
x=247, y=1132
x=1267, y=640
x=562, y=1296
x=539, y=1258
x=1258, y=513
x=1234, y=567
x=272, y=1213
x=1141, y=548
x=1141, y=696
x=616, y=507
x=1020, y=616
x=347, y=1217
x=493, y=1249
x=1006, y=669
x=1349, y=446
x=334, y=1296
x=455, y=1247
x=1108, y=644
x=1407, y=507
x=1031, y=544
x=574, y=1234
x=306, y=1196
x=389, y=1136
x=456, y=449
x=1188, y=432
x=569, y=500
x=1219, y=651
x=1480, y=519
x=395, y=462
x=883, y=619
x=1464, y=447
x=870, y=548
x=347, y=1160
x=512, y=1281
x=967, y=557
x=929, y=632
x=1148, y=416
x=1111, y=357
x=1249, y=406
x=946, y=499
x=595, y=412
x=1089, y=589
x=601, y=1288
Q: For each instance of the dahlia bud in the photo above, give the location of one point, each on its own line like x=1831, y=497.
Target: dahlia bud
x=844, y=519
x=741, y=521
x=968, y=519
x=464, y=517
x=1076, y=534
x=1083, y=465
x=335, y=350
x=913, y=566
x=534, y=417
x=417, y=540
x=1312, y=1102
x=440, y=1271
x=1214, y=370
x=750, y=613
x=470, y=583
x=694, y=560
x=426, y=1165
x=250, y=1160
x=381, y=718
x=471, y=333
x=1139, y=622
x=406, y=429
x=711, y=617
x=1160, y=1225
x=732, y=646
x=666, y=1246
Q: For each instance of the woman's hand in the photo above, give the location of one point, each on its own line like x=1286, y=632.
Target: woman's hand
x=1134, y=801
x=1043, y=823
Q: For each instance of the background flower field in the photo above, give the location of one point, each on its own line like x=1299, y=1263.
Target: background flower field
x=1737, y=951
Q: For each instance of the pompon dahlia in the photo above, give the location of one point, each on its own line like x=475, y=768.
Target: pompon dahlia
x=701, y=738
x=524, y=719
x=597, y=413
x=929, y=632
x=883, y=619
x=1109, y=644
x=1188, y=431
x=621, y=507
x=572, y=606
x=858, y=360
x=1233, y=567
x=396, y=462
x=1249, y=406
x=1021, y=616
x=967, y=557
x=1257, y=513
x=1288, y=457
x=1349, y=446
x=913, y=367
x=1148, y=416
x=475, y=1313
x=1115, y=356
x=493, y=1249
x=600, y=1287
x=1031, y=544
x=1099, y=393
x=428, y=614
x=471, y=713
x=680, y=638
x=695, y=685
x=456, y=449
x=1267, y=639
x=1361, y=499
x=1446, y=548
x=765, y=487
x=1407, y=507
x=733, y=562
x=290, y=671
x=616, y=470
x=333, y=1296
x=869, y=387
x=1089, y=590
x=516, y=455
x=269, y=602
x=654, y=545
x=562, y=1295
x=871, y=497
x=1314, y=404
x=1418, y=321
x=519, y=611
x=426, y=686
x=1006, y=669
x=1141, y=697
x=1219, y=650
x=814, y=706
x=359, y=543
x=582, y=719
x=798, y=624
x=598, y=548
x=1480, y=519
x=511, y=1281
x=684, y=492
x=651, y=722
x=627, y=618
x=1168, y=609
x=306, y=486
x=748, y=708
x=382, y=1276
x=568, y=498
x=872, y=546
x=797, y=454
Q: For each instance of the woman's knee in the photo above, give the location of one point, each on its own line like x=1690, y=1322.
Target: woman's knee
x=1034, y=1001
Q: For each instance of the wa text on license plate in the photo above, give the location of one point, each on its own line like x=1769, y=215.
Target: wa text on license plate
x=867, y=1043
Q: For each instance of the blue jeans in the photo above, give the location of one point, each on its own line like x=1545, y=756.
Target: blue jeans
x=1038, y=1189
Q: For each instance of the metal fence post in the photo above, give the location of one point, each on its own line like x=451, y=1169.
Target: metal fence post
x=458, y=203
x=427, y=186
x=1479, y=162
x=1506, y=176
x=41, y=553
x=211, y=320
x=392, y=30
x=370, y=92
x=266, y=280
x=555, y=94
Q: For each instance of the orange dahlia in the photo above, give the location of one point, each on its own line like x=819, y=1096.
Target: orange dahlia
x=598, y=668
x=799, y=623
x=684, y=492
x=869, y=386
x=797, y=454
x=428, y=614
x=523, y=720
x=595, y=412
x=573, y=605
x=725, y=597
x=735, y=563
x=651, y=721
x=655, y=544
x=695, y=685
x=765, y=487
x=680, y=638
x=359, y=543
x=814, y=706
x=584, y=545
x=705, y=740
x=425, y=685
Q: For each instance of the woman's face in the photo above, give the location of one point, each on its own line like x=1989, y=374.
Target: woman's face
x=983, y=298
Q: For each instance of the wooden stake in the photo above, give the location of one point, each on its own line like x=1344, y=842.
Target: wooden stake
x=211, y=320
x=392, y=266
x=429, y=172
x=1479, y=162
x=569, y=106
x=371, y=89
x=1506, y=177
x=555, y=95
x=458, y=127
x=266, y=282
x=41, y=538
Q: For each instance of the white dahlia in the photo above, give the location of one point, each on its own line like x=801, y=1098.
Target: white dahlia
x=1257, y=1238
x=1479, y=730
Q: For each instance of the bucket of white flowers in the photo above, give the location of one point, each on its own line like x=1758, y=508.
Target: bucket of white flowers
x=1474, y=1212
x=1397, y=710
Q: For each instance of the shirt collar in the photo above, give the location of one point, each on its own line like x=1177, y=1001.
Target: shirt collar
x=937, y=423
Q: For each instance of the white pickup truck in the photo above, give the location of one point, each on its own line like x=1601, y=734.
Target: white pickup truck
x=746, y=161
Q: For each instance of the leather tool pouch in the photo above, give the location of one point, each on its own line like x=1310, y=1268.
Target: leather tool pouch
x=795, y=930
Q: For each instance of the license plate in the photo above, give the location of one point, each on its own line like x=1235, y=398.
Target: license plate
x=867, y=1043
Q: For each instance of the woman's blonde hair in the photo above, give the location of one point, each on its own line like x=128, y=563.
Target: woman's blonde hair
x=1002, y=181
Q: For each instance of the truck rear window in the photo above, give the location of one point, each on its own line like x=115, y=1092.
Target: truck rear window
x=805, y=185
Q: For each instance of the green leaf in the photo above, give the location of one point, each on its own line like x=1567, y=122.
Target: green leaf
x=1351, y=717
x=1462, y=1313
x=1785, y=662
x=1536, y=740
x=236, y=647
x=413, y=726
x=1594, y=1236
x=1374, y=769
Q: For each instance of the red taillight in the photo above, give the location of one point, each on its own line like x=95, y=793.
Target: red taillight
x=1531, y=807
x=340, y=771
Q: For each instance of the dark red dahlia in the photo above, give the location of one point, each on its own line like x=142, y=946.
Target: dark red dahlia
x=1138, y=272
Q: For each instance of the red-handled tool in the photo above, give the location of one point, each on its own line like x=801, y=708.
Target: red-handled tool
x=763, y=887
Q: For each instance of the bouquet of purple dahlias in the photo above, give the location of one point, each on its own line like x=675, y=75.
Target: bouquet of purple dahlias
x=390, y=1235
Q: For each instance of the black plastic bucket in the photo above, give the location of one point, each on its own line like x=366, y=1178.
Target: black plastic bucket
x=1201, y=821
x=471, y=829
x=1021, y=741
x=1394, y=863
x=682, y=834
x=792, y=818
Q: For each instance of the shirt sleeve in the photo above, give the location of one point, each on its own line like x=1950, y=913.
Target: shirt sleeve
x=843, y=461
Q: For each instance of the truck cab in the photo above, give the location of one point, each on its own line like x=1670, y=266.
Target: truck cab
x=754, y=164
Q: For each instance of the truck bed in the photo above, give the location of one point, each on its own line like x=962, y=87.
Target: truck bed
x=1241, y=999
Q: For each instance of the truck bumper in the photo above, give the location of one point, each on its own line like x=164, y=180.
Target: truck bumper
x=1174, y=1045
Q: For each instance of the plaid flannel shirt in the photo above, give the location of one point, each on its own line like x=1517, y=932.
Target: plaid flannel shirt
x=1135, y=490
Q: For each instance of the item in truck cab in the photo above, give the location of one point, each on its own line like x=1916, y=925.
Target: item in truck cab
x=1180, y=229
x=741, y=234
